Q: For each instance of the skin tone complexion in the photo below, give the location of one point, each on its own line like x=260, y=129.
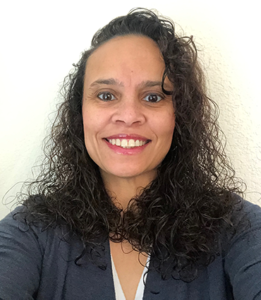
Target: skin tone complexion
x=128, y=120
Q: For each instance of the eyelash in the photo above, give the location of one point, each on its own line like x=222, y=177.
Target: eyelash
x=106, y=93
x=100, y=96
x=158, y=96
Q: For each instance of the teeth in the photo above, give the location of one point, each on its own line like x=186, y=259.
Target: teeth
x=124, y=143
x=127, y=143
x=131, y=143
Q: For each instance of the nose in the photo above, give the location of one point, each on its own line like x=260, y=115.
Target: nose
x=129, y=112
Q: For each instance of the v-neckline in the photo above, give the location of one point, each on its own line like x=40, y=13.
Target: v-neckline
x=141, y=285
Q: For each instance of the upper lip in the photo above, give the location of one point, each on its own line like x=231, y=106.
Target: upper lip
x=127, y=137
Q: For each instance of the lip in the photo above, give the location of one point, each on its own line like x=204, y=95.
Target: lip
x=127, y=137
x=126, y=151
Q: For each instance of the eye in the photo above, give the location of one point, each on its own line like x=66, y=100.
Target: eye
x=106, y=96
x=153, y=98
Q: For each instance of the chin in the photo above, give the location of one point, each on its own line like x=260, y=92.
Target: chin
x=147, y=175
x=128, y=174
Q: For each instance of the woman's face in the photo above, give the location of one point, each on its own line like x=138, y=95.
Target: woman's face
x=128, y=120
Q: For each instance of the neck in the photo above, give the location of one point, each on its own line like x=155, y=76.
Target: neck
x=122, y=190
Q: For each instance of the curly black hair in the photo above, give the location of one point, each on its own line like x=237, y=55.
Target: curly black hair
x=179, y=215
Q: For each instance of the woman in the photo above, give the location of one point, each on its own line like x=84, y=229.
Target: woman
x=136, y=189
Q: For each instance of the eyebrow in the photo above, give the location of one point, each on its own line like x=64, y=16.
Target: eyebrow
x=109, y=81
x=143, y=84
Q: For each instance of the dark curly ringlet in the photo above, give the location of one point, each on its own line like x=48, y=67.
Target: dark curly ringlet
x=179, y=215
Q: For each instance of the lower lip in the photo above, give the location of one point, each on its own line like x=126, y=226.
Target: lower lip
x=126, y=151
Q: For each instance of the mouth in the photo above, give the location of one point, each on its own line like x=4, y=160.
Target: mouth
x=127, y=143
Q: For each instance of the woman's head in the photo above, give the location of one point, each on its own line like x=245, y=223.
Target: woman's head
x=180, y=68
x=128, y=120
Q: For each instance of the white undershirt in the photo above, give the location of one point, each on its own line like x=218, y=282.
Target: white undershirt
x=117, y=286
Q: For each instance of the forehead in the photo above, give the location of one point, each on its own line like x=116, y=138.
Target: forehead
x=126, y=55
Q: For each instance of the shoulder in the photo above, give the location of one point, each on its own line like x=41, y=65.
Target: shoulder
x=245, y=224
x=31, y=248
x=246, y=220
x=242, y=251
x=26, y=223
x=246, y=209
x=20, y=230
x=21, y=251
x=14, y=230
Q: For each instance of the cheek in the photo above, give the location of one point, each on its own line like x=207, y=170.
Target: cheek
x=93, y=126
x=88, y=128
x=167, y=125
x=90, y=119
x=173, y=124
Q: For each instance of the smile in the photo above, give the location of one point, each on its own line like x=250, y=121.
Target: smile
x=127, y=143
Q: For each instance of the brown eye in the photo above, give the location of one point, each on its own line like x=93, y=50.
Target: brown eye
x=106, y=96
x=153, y=98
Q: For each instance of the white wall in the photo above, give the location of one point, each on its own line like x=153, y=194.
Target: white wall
x=41, y=40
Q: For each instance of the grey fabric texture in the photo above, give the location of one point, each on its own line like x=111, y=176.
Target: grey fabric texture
x=40, y=265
